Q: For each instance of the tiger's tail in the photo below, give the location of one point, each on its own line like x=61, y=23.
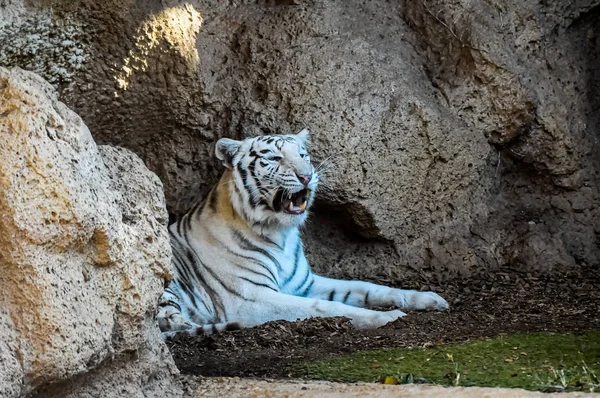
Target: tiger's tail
x=203, y=330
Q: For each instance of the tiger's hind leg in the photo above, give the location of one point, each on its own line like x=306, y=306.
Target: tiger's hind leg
x=172, y=322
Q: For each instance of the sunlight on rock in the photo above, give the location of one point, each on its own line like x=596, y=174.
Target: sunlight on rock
x=173, y=28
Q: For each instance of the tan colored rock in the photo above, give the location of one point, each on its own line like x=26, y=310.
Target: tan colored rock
x=239, y=388
x=83, y=252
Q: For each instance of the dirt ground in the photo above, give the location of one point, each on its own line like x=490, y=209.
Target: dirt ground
x=507, y=302
x=235, y=387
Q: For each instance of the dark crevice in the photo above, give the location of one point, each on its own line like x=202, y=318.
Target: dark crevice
x=585, y=18
x=341, y=219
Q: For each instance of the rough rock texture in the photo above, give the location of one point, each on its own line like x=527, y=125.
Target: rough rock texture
x=83, y=256
x=461, y=136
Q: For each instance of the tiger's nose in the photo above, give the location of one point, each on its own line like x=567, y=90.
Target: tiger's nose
x=304, y=178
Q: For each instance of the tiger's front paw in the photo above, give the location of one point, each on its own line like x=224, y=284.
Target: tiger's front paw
x=377, y=319
x=426, y=301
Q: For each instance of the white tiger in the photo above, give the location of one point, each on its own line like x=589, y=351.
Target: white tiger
x=238, y=255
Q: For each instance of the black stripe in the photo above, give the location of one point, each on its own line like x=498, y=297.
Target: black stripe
x=253, y=200
x=211, y=293
x=277, y=201
x=273, y=278
x=247, y=245
x=193, y=314
x=195, y=300
x=305, y=292
x=170, y=303
x=244, y=175
x=296, y=261
x=263, y=202
x=243, y=172
x=186, y=237
x=187, y=223
x=346, y=297
x=229, y=289
x=331, y=295
x=256, y=273
x=168, y=290
x=252, y=168
x=213, y=197
x=271, y=242
x=185, y=282
x=303, y=281
x=188, y=289
x=178, y=247
x=192, y=257
x=199, y=204
x=257, y=283
x=180, y=267
x=179, y=227
x=239, y=193
x=273, y=170
x=367, y=299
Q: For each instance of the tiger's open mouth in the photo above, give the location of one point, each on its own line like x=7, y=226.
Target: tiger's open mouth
x=295, y=203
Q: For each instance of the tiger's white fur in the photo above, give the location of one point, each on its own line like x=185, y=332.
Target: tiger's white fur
x=238, y=255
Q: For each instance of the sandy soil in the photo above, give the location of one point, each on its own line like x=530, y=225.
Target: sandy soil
x=235, y=388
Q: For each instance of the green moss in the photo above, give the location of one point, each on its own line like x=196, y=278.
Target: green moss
x=535, y=361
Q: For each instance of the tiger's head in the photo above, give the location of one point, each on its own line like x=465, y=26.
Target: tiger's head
x=273, y=180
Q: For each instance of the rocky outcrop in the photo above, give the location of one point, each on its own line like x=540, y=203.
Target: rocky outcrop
x=84, y=254
x=461, y=136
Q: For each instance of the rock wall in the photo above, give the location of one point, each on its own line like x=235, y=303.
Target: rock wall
x=460, y=136
x=84, y=255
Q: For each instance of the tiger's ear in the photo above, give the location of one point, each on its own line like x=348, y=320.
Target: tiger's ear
x=302, y=136
x=226, y=149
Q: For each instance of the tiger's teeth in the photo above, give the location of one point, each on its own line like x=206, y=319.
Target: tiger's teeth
x=302, y=206
x=291, y=206
x=290, y=196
